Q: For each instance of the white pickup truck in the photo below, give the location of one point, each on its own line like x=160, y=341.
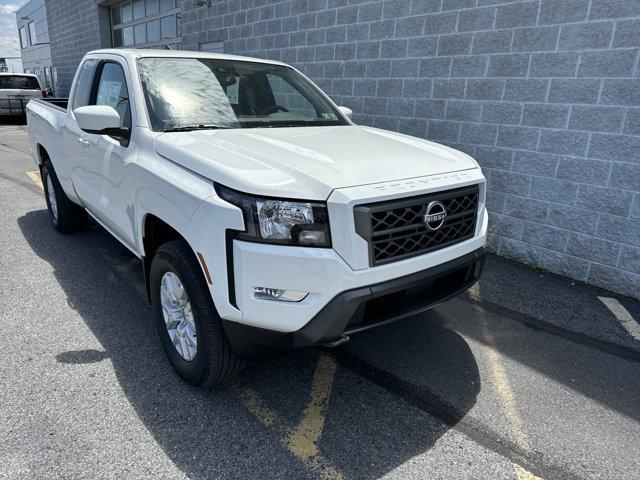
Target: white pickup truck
x=265, y=218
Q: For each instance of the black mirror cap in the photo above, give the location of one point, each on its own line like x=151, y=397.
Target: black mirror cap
x=112, y=132
x=121, y=134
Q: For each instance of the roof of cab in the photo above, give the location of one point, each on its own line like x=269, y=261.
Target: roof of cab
x=134, y=53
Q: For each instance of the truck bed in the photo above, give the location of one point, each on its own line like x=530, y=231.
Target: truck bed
x=59, y=103
x=17, y=106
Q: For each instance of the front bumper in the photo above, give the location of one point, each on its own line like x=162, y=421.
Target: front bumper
x=323, y=272
x=362, y=308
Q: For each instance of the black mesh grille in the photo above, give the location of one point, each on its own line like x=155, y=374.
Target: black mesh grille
x=396, y=229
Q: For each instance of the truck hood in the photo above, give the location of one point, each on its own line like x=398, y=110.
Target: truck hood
x=307, y=162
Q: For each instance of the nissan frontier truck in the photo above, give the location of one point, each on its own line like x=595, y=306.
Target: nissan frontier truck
x=265, y=219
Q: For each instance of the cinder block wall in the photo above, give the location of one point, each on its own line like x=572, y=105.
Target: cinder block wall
x=545, y=94
x=75, y=27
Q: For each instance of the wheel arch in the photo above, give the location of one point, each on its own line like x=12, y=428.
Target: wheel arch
x=155, y=233
x=41, y=155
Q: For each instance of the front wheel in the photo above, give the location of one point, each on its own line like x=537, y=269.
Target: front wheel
x=188, y=323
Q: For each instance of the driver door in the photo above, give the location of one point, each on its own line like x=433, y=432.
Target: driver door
x=107, y=188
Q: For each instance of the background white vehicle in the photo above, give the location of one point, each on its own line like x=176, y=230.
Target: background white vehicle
x=16, y=89
x=265, y=219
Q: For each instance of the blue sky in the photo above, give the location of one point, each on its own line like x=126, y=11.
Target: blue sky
x=8, y=31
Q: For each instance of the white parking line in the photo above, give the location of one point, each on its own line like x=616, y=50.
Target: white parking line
x=623, y=315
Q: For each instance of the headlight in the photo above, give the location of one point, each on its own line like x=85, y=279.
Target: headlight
x=287, y=222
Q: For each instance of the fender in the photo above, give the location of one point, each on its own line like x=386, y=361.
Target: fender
x=207, y=232
x=187, y=203
x=204, y=233
x=166, y=190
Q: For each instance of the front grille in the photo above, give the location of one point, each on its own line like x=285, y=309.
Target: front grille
x=396, y=229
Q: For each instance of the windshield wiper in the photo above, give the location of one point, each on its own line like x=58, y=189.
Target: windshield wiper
x=296, y=123
x=201, y=126
x=293, y=125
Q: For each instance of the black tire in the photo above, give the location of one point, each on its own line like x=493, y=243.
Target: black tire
x=69, y=217
x=214, y=362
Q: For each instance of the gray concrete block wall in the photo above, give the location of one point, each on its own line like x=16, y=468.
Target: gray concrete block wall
x=75, y=27
x=545, y=94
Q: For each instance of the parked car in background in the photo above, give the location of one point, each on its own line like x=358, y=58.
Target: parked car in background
x=16, y=89
x=266, y=220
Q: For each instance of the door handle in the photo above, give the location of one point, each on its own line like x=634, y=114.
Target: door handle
x=84, y=141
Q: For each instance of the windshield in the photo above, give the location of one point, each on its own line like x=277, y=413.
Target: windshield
x=214, y=93
x=20, y=82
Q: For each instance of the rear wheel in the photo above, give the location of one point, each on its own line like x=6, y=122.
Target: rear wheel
x=65, y=215
x=188, y=323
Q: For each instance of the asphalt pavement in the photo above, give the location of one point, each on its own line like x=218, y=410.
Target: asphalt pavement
x=526, y=376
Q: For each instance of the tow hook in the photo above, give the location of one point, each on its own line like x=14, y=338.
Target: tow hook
x=338, y=342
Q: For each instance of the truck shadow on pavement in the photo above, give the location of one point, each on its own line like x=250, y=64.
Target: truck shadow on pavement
x=255, y=427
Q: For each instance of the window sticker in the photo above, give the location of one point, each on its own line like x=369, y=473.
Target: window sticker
x=109, y=93
x=232, y=92
x=329, y=116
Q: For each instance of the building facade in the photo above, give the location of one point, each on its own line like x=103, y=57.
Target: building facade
x=78, y=26
x=545, y=94
x=35, y=50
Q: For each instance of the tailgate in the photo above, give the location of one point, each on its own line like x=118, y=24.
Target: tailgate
x=15, y=101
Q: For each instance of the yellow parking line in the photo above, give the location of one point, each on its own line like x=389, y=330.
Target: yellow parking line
x=502, y=387
x=508, y=400
x=35, y=177
x=258, y=408
x=302, y=440
x=126, y=270
x=523, y=474
x=474, y=292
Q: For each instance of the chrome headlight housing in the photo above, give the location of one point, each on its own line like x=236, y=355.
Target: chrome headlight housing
x=281, y=221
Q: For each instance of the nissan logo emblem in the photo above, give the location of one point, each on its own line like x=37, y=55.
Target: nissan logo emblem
x=435, y=216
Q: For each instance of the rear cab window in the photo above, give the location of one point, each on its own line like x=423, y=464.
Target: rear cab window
x=19, y=82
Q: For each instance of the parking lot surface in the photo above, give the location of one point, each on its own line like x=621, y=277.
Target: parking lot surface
x=526, y=376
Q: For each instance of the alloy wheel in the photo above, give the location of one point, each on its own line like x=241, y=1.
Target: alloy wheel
x=178, y=316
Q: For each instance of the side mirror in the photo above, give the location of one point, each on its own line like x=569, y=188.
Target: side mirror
x=99, y=119
x=347, y=112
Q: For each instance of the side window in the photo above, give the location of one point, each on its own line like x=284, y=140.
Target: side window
x=285, y=95
x=112, y=91
x=85, y=81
